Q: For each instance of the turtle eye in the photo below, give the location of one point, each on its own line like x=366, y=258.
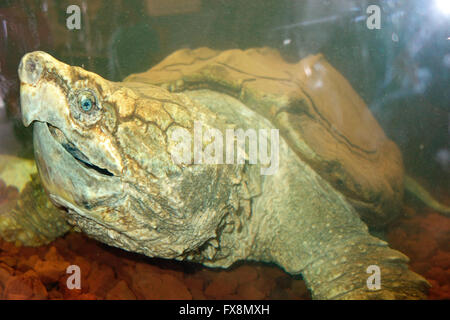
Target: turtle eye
x=85, y=106
x=87, y=101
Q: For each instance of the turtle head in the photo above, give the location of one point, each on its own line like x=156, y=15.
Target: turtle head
x=73, y=120
x=73, y=104
x=102, y=153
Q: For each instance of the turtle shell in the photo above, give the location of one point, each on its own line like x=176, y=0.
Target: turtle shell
x=317, y=111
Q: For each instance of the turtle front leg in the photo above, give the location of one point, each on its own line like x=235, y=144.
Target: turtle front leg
x=308, y=228
x=31, y=219
x=344, y=272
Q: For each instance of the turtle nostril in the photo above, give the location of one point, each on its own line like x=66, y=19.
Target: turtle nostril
x=30, y=66
x=30, y=69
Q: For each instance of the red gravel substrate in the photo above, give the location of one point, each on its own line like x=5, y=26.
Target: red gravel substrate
x=425, y=238
x=110, y=273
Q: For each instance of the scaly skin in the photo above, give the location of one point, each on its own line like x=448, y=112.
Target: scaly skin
x=333, y=249
x=300, y=222
x=33, y=220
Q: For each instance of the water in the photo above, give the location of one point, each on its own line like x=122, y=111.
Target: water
x=401, y=71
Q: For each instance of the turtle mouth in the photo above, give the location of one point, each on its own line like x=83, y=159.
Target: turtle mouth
x=79, y=156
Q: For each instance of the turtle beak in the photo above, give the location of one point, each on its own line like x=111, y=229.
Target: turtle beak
x=30, y=68
x=40, y=100
x=30, y=71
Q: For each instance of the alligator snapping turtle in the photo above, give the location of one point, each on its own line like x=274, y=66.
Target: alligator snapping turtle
x=105, y=153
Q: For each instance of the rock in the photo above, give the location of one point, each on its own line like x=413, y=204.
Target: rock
x=84, y=265
x=146, y=268
x=270, y=272
x=173, y=289
x=106, y=256
x=425, y=239
x=126, y=273
x=87, y=296
x=9, y=247
x=233, y=296
x=248, y=291
x=438, y=292
x=420, y=267
x=101, y=279
x=421, y=248
x=292, y=295
x=444, y=242
x=9, y=260
x=435, y=224
x=442, y=259
x=245, y=274
x=17, y=289
x=120, y=291
x=70, y=294
x=39, y=290
x=195, y=286
x=53, y=255
x=207, y=275
x=283, y=282
x=54, y=294
x=153, y=286
x=76, y=242
x=194, y=283
x=278, y=294
x=27, y=263
x=7, y=268
x=441, y=275
x=222, y=285
x=5, y=274
x=265, y=285
x=50, y=271
x=300, y=290
x=24, y=287
x=197, y=294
